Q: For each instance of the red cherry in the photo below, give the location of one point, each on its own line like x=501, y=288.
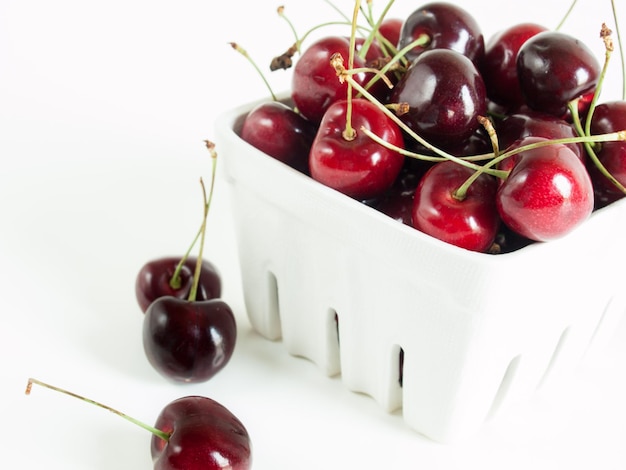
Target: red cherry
x=358, y=167
x=499, y=66
x=390, y=29
x=609, y=117
x=154, y=280
x=535, y=124
x=555, y=68
x=547, y=194
x=189, y=341
x=315, y=85
x=446, y=111
x=204, y=435
x=471, y=222
x=447, y=27
x=280, y=132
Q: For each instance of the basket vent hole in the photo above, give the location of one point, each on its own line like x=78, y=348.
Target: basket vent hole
x=400, y=366
x=555, y=356
x=505, y=386
x=273, y=308
x=332, y=341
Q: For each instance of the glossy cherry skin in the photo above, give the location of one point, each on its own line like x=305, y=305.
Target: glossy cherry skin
x=555, y=68
x=472, y=222
x=547, y=194
x=153, y=280
x=277, y=130
x=390, y=29
x=448, y=27
x=315, y=85
x=360, y=167
x=445, y=112
x=499, y=65
x=609, y=117
x=189, y=341
x=204, y=435
x=530, y=123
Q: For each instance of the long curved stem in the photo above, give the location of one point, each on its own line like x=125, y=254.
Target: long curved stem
x=157, y=432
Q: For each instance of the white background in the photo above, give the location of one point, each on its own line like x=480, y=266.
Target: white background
x=103, y=110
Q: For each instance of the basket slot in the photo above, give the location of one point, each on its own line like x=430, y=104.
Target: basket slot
x=504, y=388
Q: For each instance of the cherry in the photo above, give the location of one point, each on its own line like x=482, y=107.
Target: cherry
x=203, y=435
x=555, y=68
x=355, y=164
x=499, y=65
x=533, y=123
x=446, y=111
x=397, y=203
x=314, y=84
x=191, y=433
x=279, y=131
x=469, y=220
x=189, y=341
x=547, y=193
x=447, y=26
x=609, y=117
x=390, y=29
x=158, y=278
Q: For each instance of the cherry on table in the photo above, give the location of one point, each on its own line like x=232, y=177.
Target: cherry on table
x=190, y=433
x=166, y=276
x=203, y=434
x=189, y=341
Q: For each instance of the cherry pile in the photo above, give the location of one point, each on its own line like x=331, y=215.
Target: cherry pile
x=489, y=145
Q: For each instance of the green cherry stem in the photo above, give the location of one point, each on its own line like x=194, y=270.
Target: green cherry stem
x=567, y=13
x=157, y=432
x=621, y=49
x=207, y=204
x=244, y=53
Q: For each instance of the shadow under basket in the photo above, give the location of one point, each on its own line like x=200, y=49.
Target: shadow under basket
x=448, y=335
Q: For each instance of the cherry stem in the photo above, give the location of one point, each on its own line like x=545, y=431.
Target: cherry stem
x=349, y=133
x=375, y=26
x=281, y=13
x=243, y=52
x=157, y=432
x=207, y=204
x=621, y=49
x=564, y=19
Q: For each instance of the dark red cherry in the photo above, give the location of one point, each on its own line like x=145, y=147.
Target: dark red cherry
x=499, y=66
x=471, y=222
x=448, y=26
x=547, y=194
x=155, y=279
x=609, y=117
x=358, y=167
x=555, y=68
x=315, y=85
x=536, y=124
x=277, y=130
x=204, y=435
x=189, y=341
x=445, y=94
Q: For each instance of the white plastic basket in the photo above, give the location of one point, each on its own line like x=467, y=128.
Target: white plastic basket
x=476, y=331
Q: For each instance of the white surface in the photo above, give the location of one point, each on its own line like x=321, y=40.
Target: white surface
x=103, y=110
